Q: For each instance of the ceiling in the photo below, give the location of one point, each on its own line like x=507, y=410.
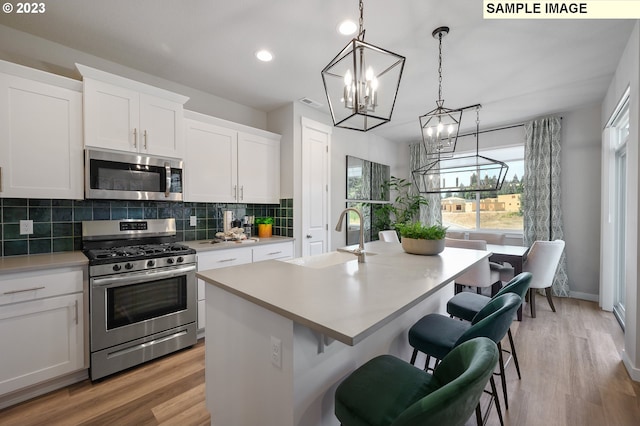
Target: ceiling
x=517, y=69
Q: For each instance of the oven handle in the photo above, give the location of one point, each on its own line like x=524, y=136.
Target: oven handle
x=123, y=280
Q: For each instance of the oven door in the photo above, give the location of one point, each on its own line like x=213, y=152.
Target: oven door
x=126, y=307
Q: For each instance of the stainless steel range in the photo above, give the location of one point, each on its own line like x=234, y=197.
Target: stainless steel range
x=142, y=292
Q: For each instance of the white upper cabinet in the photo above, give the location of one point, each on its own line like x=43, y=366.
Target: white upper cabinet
x=211, y=163
x=125, y=115
x=41, y=152
x=258, y=169
x=223, y=164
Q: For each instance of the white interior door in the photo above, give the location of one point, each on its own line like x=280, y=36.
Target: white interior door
x=316, y=138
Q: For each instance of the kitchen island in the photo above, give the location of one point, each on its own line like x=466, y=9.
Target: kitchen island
x=280, y=336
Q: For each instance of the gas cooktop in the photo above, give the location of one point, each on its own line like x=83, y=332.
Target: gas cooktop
x=136, y=252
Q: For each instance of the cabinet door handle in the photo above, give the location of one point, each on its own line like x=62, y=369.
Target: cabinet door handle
x=228, y=260
x=145, y=134
x=273, y=253
x=135, y=137
x=23, y=291
x=309, y=236
x=235, y=192
x=0, y=179
x=241, y=192
x=76, y=312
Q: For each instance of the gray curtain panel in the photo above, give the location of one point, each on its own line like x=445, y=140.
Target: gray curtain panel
x=541, y=197
x=431, y=213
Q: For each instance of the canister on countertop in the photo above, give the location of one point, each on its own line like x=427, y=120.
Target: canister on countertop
x=227, y=220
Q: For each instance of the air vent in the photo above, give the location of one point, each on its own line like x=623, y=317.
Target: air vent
x=311, y=103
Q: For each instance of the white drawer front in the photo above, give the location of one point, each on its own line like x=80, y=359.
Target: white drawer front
x=273, y=251
x=223, y=258
x=24, y=286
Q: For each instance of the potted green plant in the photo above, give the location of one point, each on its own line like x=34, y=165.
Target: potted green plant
x=404, y=208
x=422, y=239
x=265, y=226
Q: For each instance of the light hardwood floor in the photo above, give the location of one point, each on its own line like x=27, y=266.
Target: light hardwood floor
x=570, y=362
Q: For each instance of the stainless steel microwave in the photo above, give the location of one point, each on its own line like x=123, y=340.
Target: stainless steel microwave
x=124, y=176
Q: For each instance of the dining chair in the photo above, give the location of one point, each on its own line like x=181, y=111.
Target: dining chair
x=479, y=275
x=389, y=391
x=506, y=271
x=458, y=235
x=435, y=335
x=388, y=236
x=466, y=305
x=490, y=237
x=542, y=261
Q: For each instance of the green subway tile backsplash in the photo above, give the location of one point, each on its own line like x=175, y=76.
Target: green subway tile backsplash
x=58, y=223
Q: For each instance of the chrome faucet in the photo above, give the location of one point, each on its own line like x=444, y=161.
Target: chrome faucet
x=360, y=250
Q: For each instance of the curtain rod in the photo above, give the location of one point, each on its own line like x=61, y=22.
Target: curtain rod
x=494, y=130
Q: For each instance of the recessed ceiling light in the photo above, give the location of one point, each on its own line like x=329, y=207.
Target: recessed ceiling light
x=347, y=27
x=264, y=55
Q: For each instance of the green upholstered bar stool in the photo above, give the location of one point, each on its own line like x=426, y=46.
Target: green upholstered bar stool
x=466, y=305
x=436, y=335
x=389, y=391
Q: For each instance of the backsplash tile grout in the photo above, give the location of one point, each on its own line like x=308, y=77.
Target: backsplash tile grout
x=57, y=224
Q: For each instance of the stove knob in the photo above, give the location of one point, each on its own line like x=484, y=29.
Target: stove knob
x=180, y=259
x=151, y=263
x=170, y=260
x=117, y=267
x=128, y=266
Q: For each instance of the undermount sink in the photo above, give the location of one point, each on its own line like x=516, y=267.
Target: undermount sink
x=326, y=259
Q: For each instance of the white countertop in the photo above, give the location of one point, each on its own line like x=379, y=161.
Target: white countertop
x=347, y=301
x=207, y=245
x=10, y=264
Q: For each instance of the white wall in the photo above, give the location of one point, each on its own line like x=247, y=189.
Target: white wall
x=628, y=75
x=35, y=52
x=580, y=161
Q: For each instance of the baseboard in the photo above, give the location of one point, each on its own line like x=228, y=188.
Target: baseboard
x=634, y=372
x=584, y=296
x=42, y=388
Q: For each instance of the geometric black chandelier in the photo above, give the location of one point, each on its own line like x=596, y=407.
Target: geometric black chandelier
x=361, y=83
x=439, y=127
x=459, y=173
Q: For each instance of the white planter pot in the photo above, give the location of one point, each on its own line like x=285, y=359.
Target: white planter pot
x=420, y=246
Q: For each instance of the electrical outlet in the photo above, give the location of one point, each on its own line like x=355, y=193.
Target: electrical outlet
x=26, y=227
x=193, y=220
x=276, y=352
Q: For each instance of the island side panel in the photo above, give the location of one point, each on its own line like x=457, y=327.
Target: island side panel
x=320, y=367
x=243, y=387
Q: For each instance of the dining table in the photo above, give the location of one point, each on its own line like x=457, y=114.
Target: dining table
x=513, y=255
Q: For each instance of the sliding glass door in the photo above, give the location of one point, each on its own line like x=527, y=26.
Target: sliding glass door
x=618, y=188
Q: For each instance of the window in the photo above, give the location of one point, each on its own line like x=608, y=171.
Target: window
x=495, y=210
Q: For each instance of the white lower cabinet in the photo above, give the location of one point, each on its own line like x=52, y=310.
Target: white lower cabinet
x=279, y=251
x=41, y=327
x=237, y=256
x=214, y=260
